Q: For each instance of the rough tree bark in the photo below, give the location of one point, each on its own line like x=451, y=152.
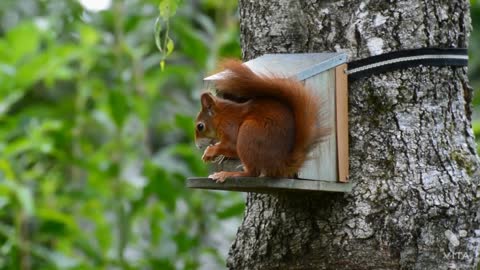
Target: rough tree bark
x=413, y=163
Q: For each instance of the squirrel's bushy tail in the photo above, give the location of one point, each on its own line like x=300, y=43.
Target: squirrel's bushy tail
x=241, y=81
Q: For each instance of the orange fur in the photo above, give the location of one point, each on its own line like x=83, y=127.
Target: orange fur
x=272, y=133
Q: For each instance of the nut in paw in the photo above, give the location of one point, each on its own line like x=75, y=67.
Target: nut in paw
x=209, y=154
x=207, y=158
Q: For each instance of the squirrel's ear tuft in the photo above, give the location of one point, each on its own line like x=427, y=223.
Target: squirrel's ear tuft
x=208, y=101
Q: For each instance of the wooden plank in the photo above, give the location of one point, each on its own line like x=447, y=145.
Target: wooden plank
x=323, y=162
x=341, y=101
x=268, y=185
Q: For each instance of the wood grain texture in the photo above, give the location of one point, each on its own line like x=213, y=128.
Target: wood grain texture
x=269, y=185
x=322, y=164
x=341, y=112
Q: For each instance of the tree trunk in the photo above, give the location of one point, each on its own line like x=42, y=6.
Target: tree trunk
x=413, y=162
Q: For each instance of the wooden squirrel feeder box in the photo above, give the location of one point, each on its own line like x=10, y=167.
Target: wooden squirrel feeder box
x=327, y=170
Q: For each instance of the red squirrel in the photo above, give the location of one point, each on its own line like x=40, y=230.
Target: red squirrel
x=271, y=133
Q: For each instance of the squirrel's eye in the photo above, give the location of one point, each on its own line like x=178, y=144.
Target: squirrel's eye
x=200, y=127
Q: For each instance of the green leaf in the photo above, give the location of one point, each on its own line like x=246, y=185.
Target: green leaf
x=476, y=128
x=167, y=8
x=9, y=100
x=186, y=123
x=162, y=65
x=193, y=44
x=23, y=40
x=24, y=197
x=119, y=107
x=88, y=35
x=170, y=46
x=6, y=171
x=160, y=184
x=52, y=215
x=163, y=264
x=158, y=32
x=184, y=241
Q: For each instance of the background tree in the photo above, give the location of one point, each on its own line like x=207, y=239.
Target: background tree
x=414, y=203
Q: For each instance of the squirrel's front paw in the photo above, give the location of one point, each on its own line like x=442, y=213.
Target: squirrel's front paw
x=208, y=155
x=207, y=158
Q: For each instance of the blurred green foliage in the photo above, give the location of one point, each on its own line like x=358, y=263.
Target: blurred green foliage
x=474, y=66
x=96, y=141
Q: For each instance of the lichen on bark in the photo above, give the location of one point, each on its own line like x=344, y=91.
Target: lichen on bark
x=413, y=162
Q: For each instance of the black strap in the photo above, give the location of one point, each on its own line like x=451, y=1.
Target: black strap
x=407, y=58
